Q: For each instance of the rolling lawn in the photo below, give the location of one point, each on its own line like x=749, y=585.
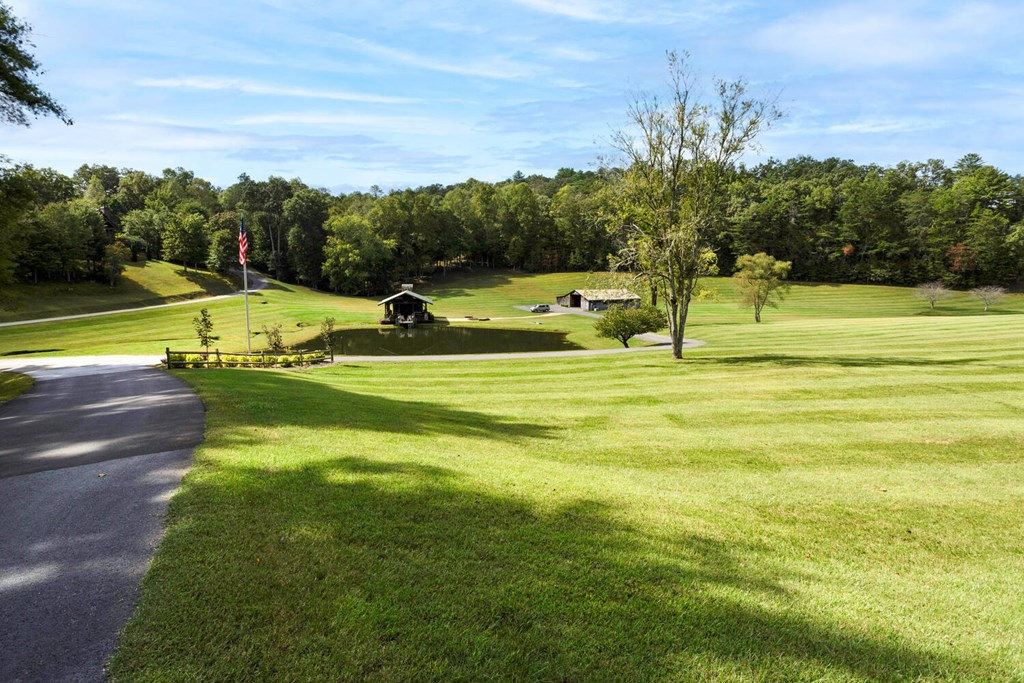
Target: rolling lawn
x=147, y=283
x=492, y=294
x=834, y=495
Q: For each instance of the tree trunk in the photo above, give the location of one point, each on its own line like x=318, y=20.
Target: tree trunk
x=757, y=315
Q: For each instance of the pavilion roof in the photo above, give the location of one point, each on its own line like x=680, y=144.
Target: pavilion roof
x=405, y=293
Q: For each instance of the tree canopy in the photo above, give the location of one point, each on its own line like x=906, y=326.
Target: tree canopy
x=20, y=97
x=624, y=323
x=759, y=281
x=680, y=156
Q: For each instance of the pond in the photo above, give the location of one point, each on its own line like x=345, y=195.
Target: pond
x=428, y=340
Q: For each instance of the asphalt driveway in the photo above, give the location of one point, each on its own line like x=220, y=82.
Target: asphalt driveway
x=89, y=458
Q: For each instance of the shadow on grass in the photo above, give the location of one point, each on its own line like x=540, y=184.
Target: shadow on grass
x=211, y=283
x=288, y=398
x=361, y=569
x=786, y=360
x=465, y=283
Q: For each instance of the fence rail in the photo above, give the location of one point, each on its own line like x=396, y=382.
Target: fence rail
x=259, y=359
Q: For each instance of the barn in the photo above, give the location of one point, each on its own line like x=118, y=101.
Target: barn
x=598, y=299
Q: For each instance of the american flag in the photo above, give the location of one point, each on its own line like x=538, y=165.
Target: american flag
x=243, y=244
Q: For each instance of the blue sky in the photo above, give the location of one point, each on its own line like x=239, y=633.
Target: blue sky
x=349, y=94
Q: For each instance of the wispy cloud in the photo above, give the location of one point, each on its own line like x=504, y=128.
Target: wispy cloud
x=585, y=10
x=418, y=125
x=254, y=88
x=855, y=36
x=883, y=126
x=619, y=12
x=499, y=68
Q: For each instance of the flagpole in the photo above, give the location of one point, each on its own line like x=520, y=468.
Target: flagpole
x=243, y=258
x=245, y=280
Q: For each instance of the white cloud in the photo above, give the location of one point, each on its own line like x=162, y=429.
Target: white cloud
x=618, y=12
x=868, y=36
x=498, y=68
x=586, y=10
x=883, y=126
x=416, y=125
x=253, y=88
x=573, y=54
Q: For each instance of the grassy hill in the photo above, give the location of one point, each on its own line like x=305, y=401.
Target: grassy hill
x=832, y=495
x=147, y=283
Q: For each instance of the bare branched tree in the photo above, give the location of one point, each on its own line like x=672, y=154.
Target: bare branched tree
x=679, y=155
x=988, y=295
x=932, y=292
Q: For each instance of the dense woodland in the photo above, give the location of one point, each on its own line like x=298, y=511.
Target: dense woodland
x=835, y=220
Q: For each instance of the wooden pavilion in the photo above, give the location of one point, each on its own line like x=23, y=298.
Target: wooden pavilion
x=407, y=308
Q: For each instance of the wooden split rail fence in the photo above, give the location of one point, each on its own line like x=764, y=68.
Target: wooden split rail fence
x=259, y=359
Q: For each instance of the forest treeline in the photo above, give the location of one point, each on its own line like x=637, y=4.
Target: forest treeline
x=836, y=221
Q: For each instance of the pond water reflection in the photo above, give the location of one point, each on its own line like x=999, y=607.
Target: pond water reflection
x=443, y=340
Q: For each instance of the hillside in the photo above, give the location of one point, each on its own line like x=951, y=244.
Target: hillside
x=147, y=283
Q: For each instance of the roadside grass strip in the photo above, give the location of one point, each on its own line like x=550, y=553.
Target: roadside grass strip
x=13, y=385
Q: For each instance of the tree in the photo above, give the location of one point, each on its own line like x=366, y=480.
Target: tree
x=988, y=295
x=305, y=213
x=327, y=335
x=184, y=238
x=678, y=164
x=203, y=325
x=19, y=96
x=356, y=259
x=623, y=323
x=759, y=281
x=932, y=292
x=115, y=256
x=273, y=335
x=15, y=201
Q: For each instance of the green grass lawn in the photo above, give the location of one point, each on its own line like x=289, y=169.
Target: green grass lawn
x=492, y=294
x=834, y=494
x=147, y=283
x=13, y=385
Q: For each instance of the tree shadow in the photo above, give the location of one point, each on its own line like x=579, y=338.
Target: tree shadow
x=357, y=569
x=211, y=283
x=465, y=283
x=290, y=398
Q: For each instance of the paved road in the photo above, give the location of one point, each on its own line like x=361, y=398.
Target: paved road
x=88, y=460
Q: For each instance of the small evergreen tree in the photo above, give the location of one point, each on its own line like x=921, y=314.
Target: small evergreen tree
x=327, y=334
x=203, y=325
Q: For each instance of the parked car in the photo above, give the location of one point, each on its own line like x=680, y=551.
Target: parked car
x=540, y=308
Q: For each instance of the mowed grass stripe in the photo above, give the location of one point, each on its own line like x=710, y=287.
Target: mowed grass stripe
x=819, y=499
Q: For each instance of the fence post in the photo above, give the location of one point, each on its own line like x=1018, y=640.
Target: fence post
x=217, y=351
x=167, y=349
x=263, y=359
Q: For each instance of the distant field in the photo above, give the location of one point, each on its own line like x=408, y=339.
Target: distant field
x=826, y=496
x=490, y=294
x=147, y=283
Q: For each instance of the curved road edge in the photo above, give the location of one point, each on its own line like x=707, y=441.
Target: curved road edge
x=89, y=458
